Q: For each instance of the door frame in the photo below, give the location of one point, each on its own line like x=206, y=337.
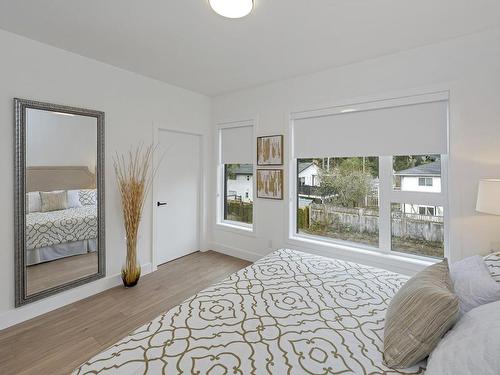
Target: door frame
x=154, y=191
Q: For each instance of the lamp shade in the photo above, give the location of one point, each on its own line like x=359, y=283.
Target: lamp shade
x=488, y=197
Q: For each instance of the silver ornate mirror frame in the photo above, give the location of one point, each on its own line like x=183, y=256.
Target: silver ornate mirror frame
x=20, y=107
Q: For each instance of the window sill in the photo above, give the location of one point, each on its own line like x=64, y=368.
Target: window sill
x=238, y=228
x=397, y=262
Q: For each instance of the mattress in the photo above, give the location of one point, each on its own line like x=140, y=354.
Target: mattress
x=289, y=313
x=45, y=229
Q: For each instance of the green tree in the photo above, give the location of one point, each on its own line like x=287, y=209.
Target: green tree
x=346, y=184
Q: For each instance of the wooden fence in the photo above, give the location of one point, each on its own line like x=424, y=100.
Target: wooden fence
x=421, y=227
x=236, y=210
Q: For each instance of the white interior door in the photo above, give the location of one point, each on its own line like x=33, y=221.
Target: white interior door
x=177, y=192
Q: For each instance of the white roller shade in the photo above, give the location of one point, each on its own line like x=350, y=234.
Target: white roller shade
x=412, y=129
x=237, y=145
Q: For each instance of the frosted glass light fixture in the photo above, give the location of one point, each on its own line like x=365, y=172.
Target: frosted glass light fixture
x=232, y=8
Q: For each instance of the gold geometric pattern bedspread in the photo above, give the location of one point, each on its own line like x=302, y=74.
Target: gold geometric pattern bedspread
x=289, y=313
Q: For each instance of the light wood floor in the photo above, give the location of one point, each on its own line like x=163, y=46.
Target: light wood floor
x=44, y=276
x=57, y=342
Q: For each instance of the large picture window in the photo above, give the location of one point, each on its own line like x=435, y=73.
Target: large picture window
x=373, y=177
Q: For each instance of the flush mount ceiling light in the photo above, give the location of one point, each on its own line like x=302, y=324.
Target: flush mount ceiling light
x=232, y=8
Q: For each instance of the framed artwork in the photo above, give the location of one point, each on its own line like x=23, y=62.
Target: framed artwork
x=270, y=150
x=270, y=183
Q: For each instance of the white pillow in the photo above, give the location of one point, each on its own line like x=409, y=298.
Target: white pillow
x=34, y=202
x=473, y=283
x=493, y=263
x=472, y=347
x=74, y=199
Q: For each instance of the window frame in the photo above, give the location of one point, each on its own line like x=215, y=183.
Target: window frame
x=221, y=194
x=387, y=195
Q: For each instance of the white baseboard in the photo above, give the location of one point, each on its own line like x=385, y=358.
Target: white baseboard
x=251, y=256
x=32, y=310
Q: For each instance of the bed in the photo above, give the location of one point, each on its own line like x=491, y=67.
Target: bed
x=58, y=234
x=288, y=313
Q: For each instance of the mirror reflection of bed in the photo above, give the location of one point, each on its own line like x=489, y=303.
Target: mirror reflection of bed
x=61, y=226
x=61, y=200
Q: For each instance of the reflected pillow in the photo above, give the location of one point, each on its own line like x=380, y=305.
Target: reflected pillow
x=74, y=199
x=54, y=201
x=473, y=284
x=33, y=202
x=493, y=263
x=88, y=197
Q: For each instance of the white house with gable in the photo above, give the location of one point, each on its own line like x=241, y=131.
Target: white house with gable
x=241, y=187
x=424, y=178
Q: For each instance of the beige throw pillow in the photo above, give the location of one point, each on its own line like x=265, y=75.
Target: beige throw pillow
x=53, y=201
x=420, y=313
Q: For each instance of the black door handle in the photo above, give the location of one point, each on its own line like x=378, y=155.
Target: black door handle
x=159, y=204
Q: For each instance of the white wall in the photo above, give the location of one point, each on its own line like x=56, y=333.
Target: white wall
x=53, y=139
x=131, y=102
x=469, y=67
x=411, y=184
x=240, y=185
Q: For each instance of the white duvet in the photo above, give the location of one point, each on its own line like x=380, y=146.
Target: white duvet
x=289, y=313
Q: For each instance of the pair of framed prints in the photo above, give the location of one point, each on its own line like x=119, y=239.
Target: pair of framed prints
x=270, y=153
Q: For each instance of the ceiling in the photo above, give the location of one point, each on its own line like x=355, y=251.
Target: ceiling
x=184, y=43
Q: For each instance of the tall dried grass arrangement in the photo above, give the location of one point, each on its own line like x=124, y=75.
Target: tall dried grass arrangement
x=134, y=175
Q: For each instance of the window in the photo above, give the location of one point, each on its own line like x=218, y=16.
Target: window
x=238, y=204
x=429, y=211
x=425, y=181
x=235, y=205
x=379, y=181
x=342, y=201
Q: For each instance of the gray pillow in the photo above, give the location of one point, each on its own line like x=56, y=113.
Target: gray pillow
x=473, y=284
x=420, y=313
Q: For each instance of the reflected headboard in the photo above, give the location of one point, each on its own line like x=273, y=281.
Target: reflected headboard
x=50, y=178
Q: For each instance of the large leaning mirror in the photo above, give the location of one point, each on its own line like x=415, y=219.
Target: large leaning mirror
x=59, y=198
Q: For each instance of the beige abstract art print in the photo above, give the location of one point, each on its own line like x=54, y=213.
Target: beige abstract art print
x=270, y=150
x=270, y=183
